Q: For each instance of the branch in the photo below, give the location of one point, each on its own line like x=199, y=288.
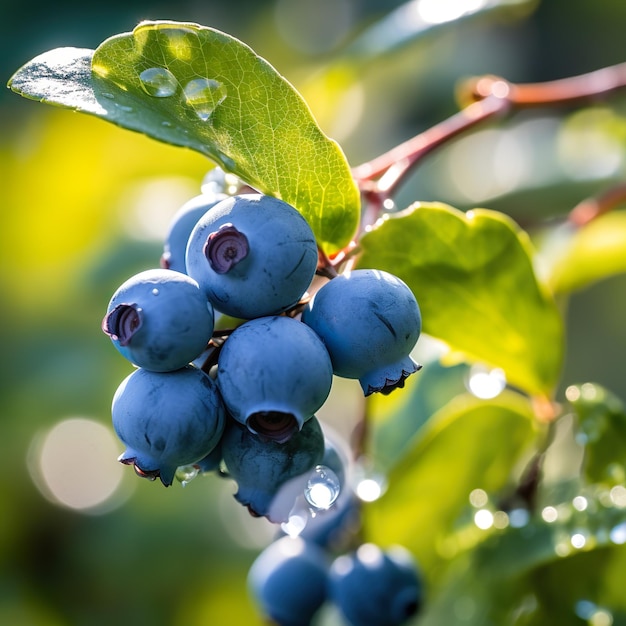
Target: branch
x=487, y=97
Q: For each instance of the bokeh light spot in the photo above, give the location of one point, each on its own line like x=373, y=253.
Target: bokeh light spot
x=74, y=464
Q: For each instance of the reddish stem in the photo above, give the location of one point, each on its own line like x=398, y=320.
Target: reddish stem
x=591, y=208
x=488, y=97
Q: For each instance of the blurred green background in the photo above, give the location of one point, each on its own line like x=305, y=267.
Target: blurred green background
x=85, y=205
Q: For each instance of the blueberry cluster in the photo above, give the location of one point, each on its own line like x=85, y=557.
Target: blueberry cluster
x=240, y=397
x=293, y=578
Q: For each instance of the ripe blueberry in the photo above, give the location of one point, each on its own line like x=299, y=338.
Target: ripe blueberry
x=274, y=373
x=167, y=419
x=181, y=225
x=262, y=468
x=369, y=321
x=372, y=587
x=159, y=320
x=288, y=581
x=253, y=255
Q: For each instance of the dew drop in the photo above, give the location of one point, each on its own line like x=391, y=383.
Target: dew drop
x=155, y=292
x=323, y=488
x=204, y=95
x=108, y=94
x=186, y=473
x=158, y=82
x=167, y=124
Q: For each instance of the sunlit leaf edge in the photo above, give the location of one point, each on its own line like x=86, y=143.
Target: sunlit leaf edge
x=63, y=77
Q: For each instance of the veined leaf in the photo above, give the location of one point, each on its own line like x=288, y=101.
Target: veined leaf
x=473, y=277
x=197, y=87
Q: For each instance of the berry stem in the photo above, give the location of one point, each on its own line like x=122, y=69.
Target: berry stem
x=482, y=98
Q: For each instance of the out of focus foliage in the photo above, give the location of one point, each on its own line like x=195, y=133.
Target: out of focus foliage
x=85, y=205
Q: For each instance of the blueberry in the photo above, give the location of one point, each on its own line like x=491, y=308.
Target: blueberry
x=167, y=420
x=181, y=225
x=254, y=255
x=288, y=581
x=369, y=321
x=159, y=320
x=274, y=373
x=263, y=469
x=372, y=587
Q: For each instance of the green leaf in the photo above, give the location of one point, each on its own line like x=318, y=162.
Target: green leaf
x=592, y=253
x=468, y=444
x=197, y=87
x=395, y=418
x=536, y=573
x=473, y=277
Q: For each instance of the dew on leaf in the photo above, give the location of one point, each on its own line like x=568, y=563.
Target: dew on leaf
x=323, y=488
x=158, y=82
x=204, y=95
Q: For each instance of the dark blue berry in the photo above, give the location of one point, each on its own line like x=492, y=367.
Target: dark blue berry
x=159, y=320
x=288, y=581
x=274, y=373
x=254, y=255
x=167, y=420
x=372, y=587
x=369, y=321
x=263, y=469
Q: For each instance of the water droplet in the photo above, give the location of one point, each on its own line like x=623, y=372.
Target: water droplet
x=107, y=94
x=125, y=107
x=167, y=124
x=155, y=292
x=158, y=82
x=204, y=95
x=186, y=473
x=323, y=488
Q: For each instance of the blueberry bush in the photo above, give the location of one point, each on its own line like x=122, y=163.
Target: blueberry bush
x=475, y=484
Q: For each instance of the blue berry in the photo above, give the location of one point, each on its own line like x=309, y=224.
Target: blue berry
x=167, y=420
x=372, y=587
x=288, y=581
x=274, y=373
x=159, y=320
x=181, y=225
x=264, y=469
x=254, y=255
x=369, y=321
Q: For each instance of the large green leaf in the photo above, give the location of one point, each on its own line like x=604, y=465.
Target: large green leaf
x=468, y=444
x=197, y=87
x=473, y=277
